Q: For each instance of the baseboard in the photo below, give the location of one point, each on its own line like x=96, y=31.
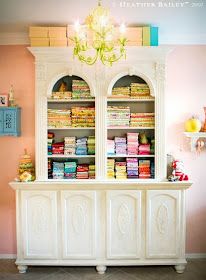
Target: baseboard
x=7, y=256
x=196, y=256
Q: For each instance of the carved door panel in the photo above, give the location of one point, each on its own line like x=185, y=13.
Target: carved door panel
x=123, y=224
x=163, y=223
x=39, y=224
x=79, y=219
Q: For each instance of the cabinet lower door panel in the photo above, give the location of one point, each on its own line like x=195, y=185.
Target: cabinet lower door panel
x=39, y=222
x=123, y=224
x=79, y=232
x=163, y=223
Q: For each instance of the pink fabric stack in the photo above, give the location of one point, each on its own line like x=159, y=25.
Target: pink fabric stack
x=132, y=143
x=144, y=149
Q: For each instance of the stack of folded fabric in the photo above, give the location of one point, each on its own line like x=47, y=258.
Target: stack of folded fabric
x=91, y=171
x=142, y=120
x=59, y=118
x=144, y=149
x=121, y=92
x=70, y=170
x=132, y=143
x=83, y=116
x=132, y=168
x=110, y=168
x=91, y=145
x=61, y=95
x=140, y=91
x=69, y=145
x=152, y=169
x=144, y=169
x=58, y=170
x=58, y=148
x=118, y=116
x=82, y=171
x=110, y=147
x=120, y=145
x=80, y=90
x=81, y=146
x=50, y=141
x=50, y=169
x=120, y=168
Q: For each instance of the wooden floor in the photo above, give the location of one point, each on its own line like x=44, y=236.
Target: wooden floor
x=195, y=270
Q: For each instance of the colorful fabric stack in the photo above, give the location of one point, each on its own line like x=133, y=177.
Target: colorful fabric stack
x=69, y=145
x=61, y=95
x=118, y=116
x=82, y=171
x=59, y=118
x=152, y=169
x=140, y=91
x=110, y=147
x=110, y=168
x=81, y=146
x=58, y=148
x=91, y=145
x=49, y=142
x=144, y=149
x=120, y=168
x=132, y=168
x=70, y=170
x=58, y=170
x=50, y=176
x=91, y=171
x=121, y=92
x=144, y=169
x=142, y=120
x=132, y=143
x=80, y=90
x=120, y=145
x=83, y=116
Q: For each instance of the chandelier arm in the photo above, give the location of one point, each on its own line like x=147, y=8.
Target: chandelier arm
x=82, y=58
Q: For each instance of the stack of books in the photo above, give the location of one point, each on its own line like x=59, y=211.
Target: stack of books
x=142, y=120
x=118, y=116
x=80, y=90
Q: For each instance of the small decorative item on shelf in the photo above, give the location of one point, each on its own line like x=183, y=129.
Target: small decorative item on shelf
x=178, y=172
x=11, y=97
x=204, y=126
x=193, y=125
x=3, y=100
x=26, y=168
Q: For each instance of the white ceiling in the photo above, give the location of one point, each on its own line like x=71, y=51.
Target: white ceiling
x=180, y=22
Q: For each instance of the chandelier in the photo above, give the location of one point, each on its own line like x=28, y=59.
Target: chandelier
x=99, y=39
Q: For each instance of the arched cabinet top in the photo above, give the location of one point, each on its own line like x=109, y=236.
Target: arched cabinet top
x=68, y=77
x=132, y=77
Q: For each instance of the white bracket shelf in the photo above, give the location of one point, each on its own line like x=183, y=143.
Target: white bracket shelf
x=194, y=136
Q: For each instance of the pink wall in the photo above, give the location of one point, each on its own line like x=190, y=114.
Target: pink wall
x=17, y=68
x=185, y=95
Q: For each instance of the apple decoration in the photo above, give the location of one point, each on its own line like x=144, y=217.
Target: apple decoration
x=193, y=125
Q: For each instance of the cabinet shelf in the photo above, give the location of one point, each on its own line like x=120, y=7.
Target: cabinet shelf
x=128, y=128
x=129, y=156
x=69, y=128
x=194, y=136
x=70, y=100
x=71, y=156
x=129, y=100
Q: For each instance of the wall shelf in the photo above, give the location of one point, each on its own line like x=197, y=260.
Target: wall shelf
x=194, y=136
